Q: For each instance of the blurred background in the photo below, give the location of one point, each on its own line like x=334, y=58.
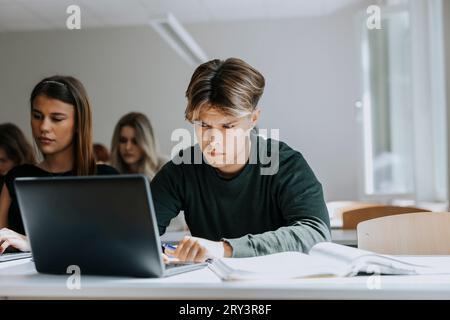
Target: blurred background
x=365, y=101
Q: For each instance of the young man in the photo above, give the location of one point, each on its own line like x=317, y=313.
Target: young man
x=247, y=196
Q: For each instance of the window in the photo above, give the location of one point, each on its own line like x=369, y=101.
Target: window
x=387, y=111
x=403, y=111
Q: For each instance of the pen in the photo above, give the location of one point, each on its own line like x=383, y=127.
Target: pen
x=169, y=246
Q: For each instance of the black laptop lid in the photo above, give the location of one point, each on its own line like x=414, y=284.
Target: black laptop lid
x=104, y=224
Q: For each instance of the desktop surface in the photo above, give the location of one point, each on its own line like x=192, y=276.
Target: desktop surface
x=19, y=279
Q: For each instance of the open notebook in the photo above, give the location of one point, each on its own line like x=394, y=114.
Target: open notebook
x=325, y=259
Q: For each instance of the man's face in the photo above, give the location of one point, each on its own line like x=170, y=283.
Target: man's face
x=224, y=140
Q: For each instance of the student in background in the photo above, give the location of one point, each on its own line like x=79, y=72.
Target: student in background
x=101, y=154
x=133, y=150
x=133, y=146
x=236, y=203
x=61, y=124
x=14, y=149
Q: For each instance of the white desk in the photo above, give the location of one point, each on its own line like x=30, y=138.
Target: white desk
x=19, y=279
x=344, y=237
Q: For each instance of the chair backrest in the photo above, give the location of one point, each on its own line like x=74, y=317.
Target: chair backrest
x=423, y=233
x=336, y=208
x=351, y=218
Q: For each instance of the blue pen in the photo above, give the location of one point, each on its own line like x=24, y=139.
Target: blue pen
x=169, y=246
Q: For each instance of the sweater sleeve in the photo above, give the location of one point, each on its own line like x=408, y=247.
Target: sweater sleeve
x=300, y=197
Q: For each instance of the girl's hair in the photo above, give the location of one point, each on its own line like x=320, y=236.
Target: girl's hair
x=15, y=145
x=145, y=139
x=70, y=90
x=101, y=153
x=232, y=86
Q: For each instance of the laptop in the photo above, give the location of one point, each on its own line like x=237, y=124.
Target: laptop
x=105, y=225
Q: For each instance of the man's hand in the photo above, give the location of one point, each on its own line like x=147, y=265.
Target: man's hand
x=16, y=240
x=198, y=249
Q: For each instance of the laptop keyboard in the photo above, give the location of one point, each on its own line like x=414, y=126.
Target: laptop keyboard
x=14, y=256
x=174, y=268
x=172, y=265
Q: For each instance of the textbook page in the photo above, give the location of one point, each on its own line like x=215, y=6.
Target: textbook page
x=284, y=265
x=368, y=262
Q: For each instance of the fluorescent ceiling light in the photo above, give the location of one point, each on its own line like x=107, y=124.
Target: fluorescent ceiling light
x=173, y=32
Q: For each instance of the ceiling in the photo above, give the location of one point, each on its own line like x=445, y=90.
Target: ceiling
x=17, y=15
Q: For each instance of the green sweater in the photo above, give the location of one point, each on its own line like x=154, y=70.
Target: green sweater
x=256, y=214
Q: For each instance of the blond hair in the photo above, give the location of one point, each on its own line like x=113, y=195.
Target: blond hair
x=231, y=86
x=145, y=139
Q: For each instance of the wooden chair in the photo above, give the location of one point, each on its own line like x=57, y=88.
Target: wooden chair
x=336, y=208
x=423, y=233
x=351, y=218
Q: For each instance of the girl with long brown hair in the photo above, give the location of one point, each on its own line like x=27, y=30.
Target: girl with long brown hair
x=61, y=123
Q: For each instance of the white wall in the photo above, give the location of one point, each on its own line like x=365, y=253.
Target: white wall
x=310, y=65
x=123, y=69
